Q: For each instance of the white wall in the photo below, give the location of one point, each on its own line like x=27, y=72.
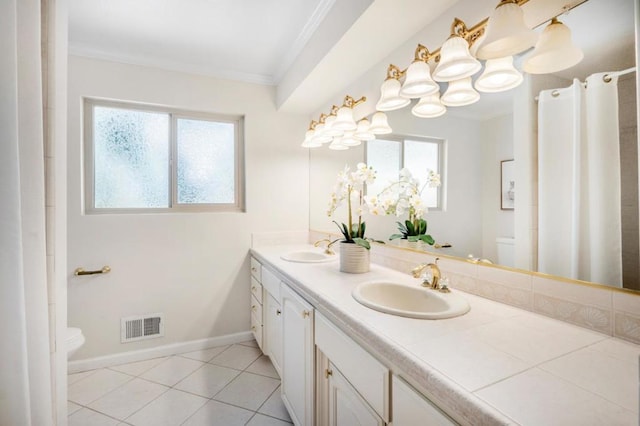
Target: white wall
x=193, y=267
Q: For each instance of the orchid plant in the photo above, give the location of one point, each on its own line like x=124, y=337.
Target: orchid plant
x=405, y=196
x=350, y=188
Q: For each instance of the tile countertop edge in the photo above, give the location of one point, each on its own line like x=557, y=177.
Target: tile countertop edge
x=468, y=408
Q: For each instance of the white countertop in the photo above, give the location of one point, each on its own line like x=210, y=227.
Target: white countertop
x=494, y=365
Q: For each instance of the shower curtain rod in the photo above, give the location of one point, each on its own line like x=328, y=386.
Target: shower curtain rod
x=606, y=78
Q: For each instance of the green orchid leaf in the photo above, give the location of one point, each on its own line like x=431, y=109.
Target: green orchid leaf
x=395, y=236
x=428, y=239
x=413, y=238
x=411, y=230
x=362, y=229
x=362, y=243
x=422, y=224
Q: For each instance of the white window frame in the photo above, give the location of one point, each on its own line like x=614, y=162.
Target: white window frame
x=174, y=115
x=441, y=191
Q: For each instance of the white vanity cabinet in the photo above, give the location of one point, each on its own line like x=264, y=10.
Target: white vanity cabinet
x=411, y=408
x=297, y=357
x=356, y=391
x=256, y=300
x=272, y=318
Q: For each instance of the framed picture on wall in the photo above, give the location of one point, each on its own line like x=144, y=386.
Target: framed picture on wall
x=507, y=185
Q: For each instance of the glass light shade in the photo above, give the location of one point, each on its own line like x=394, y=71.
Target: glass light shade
x=554, y=51
x=455, y=61
x=308, y=140
x=499, y=75
x=344, y=121
x=362, y=132
x=506, y=33
x=379, y=124
x=429, y=107
x=329, y=130
x=460, y=93
x=320, y=136
x=337, y=145
x=390, y=98
x=418, y=82
x=350, y=140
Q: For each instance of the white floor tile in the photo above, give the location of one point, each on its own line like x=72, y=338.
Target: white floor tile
x=72, y=408
x=172, y=370
x=521, y=398
x=98, y=384
x=128, y=398
x=251, y=343
x=274, y=407
x=137, y=368
x=86, y=417
x=237, y=356
x=205, y=355
x=262, y=420
x=601, y=374
x=73, y=378
x=248, y=390
x=263, y=367
x=171, y=408
x=208, y=380
x=215, y=413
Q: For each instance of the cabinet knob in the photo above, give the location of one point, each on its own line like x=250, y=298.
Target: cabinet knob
x=253, y=308
x=253, y=288
x=278, y=312
x=254, y=269
x=328, y=373
x=305, y=314
x=253, y=328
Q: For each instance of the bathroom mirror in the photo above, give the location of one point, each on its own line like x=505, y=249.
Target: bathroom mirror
x=502, y=127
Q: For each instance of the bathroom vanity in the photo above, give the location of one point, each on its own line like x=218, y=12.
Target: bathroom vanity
x=342, y=363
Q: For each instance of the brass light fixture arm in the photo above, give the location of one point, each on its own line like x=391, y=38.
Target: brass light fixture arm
x=349, y=102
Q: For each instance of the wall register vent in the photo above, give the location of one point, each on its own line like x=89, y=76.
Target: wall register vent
x=141, y=327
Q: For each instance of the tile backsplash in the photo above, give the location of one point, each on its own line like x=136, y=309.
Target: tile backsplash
x=598, y=308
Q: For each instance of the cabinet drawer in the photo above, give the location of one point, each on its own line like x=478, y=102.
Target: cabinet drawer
x=256, y=329
x=256, y=308
x=256, y=269
x=256, y=290
x=365, y=373
x=411, y=408
x=271, y=283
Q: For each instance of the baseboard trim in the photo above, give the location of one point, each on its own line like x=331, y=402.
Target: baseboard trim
x=159, y=351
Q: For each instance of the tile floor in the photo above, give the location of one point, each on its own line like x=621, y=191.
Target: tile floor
x=225, y=385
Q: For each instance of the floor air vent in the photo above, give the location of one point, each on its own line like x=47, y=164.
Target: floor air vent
x=141, y=327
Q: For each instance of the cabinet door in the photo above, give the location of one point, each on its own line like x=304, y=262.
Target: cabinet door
x=273, y=331
x=297, y=356
x=410, y=407
x=346, y=406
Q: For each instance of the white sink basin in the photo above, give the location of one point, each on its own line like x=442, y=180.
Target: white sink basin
x=410, y=301
x=308, y=256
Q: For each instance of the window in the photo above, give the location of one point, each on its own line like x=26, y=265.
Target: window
x=148, y=159
x=418, y=154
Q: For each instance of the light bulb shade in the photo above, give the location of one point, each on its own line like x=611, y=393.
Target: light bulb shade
x=506, y=33
x=418, y=82
x=554, y=51
x=337, y=145
x=390, y=98
x=362, y=132
x=349, y=140
x=329, y=129
x=429, y=107
x=455, y=61
x=344, y=121
x=308, y=140
x=460, y=93
x=319, y=135
x=499, y=75
x=379, y=124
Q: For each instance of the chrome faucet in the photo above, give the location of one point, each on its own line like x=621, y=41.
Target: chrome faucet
x=327, y=250
x=419, y=272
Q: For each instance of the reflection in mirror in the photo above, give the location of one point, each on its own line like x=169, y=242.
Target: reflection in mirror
x=541, y=232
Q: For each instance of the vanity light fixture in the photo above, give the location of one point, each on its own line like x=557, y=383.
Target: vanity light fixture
x=390, y=98
x=308, y=137
x=337, y=144
x=320, y=135
x=380, y=124
x=418, y=82
x=350, y=140
x=329, y=129
x=506, y=33
x=498, y=75
x=429, y=107
x=344, y=120
x=460, y=93
x=455, y=60
x=363, y=132
x=554, y=51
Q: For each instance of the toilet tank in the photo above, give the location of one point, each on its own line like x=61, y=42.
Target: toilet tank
x=506, y=251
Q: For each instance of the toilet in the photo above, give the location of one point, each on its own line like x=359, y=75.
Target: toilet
x=506, y=251
x=74, y=340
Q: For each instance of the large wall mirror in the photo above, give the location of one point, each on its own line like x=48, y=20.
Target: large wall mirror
x=573, y=207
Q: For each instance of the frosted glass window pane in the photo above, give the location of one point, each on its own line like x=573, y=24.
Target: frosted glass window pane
x=419, y=157
x=206, y=162
x=131, y=155
x=384, y=157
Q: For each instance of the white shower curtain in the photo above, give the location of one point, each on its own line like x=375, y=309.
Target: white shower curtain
x=25, y=377
x=579, y=222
